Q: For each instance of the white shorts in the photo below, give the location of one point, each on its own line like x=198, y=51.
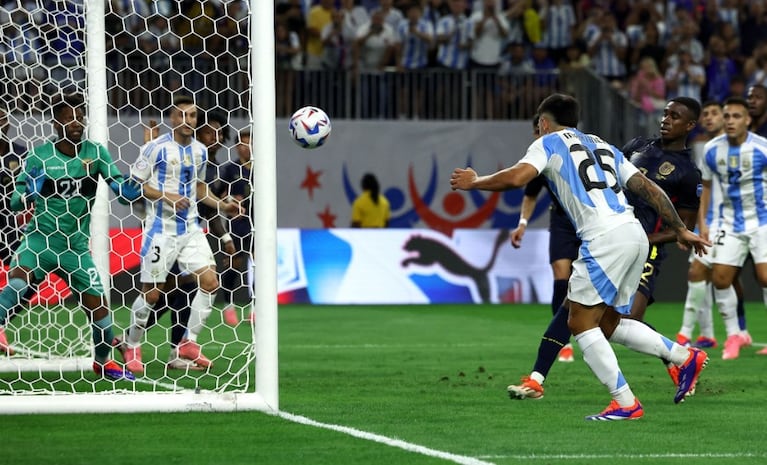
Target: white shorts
x=733, y=248
x=160, y=251
x=609, y=267
x=705, y=259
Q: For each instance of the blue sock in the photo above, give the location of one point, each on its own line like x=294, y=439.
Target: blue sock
x=11, y=296
x=181, y=306
x=560, y=292
x=741, y=314
x=102, y=338
x=555, y=337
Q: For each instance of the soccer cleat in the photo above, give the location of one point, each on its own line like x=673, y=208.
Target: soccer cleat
x=131, y=355
x=732, y=347
x=230, y=316
x=113, y=371
x=4, y=346
x=746, y=336
x=762, y=352
x=190, y=350
x=673, y=372
x=177, y=363
x=689, y=373
x=704, y=342
x=566, y=354
x=529, y=389
x=682, y=340
x=615, y=412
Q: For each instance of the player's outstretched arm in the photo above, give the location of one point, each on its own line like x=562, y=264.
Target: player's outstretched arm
x=654, y=195
x=509, y=178
x=528, y=205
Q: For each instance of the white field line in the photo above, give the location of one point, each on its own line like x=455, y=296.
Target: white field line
x=656, y=456
x=408, y=446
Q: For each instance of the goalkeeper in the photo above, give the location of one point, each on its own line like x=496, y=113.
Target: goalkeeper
x=60, y=178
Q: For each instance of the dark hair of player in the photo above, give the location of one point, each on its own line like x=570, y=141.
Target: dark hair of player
x=691, y=104
x=370, y=183
x=564, y=109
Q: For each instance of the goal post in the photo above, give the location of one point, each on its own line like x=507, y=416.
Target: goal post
x=245, y=371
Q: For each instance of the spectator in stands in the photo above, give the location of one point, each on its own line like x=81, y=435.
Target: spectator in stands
x=685, y=78
x=64, y=50
x=490, y=30
x=453, y=37
x=648, y=88
x=738, y=85
x=719, y=69
x=755, y=68
x=433, y=11
x=319, y=16
x=709, y=21
x=371, y=208
x=515, y=79
x=683, y=38
x=753, y=29
x=355, y=16
x=336, y=49
x=590, y=26
x=729, y=13
x=607, y=49
x=558, y=19
x=288, y=60
x=392, y=15
x=649, y=45
x=373, y=49
x=21, y=69
x=731, y=40
x=414, y=38
x=515, y=17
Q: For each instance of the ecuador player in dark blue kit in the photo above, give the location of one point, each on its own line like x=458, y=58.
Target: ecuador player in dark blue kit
x=668, y=162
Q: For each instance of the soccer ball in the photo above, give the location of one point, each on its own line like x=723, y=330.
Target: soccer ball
x=309, y=127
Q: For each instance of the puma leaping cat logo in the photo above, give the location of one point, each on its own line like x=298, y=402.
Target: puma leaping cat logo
x=426, y=251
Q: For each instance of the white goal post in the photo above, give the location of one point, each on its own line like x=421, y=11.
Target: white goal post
x=254, y=384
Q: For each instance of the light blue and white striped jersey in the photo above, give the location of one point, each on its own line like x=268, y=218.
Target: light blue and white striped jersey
x=587, y=175
x=168, y=166
x=605, y=60
x=560, y=20
x=415, y=51
x=454, y=53
x=740, y=171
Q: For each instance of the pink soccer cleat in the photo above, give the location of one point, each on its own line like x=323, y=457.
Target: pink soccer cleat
x=190, y=350
x=4, y=346
x=230, y=316
x=732, y=347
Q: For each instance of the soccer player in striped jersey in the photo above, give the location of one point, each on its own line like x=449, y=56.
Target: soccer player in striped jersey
x=60, y=178
x=588, y=177
x=172, y=171
x=738, y=162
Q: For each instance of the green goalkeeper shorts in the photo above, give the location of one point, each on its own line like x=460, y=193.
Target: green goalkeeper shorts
x=75, y=265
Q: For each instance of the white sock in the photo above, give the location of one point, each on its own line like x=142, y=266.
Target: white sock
x=536, y=376
x=202, y=305
x=696, y=294
x=639, y=337
x=140, y=311
x=600, y=357
x=705, y=318
x=727, y=301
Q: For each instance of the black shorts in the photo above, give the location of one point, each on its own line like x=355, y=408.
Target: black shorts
x=650, y=272
x=563, y=241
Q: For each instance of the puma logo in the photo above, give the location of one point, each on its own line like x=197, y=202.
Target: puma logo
x=426, y=251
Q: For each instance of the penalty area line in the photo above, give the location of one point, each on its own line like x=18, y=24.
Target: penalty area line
x=408, y=446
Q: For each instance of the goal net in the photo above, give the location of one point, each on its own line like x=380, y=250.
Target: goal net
x=129, y=60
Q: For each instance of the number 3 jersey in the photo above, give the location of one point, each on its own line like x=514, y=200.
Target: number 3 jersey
x=740, y=171
x=63, y=209
x=586, y=175
x=170, y=167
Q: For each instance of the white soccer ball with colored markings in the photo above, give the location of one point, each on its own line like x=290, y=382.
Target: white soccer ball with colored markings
x=309, y=127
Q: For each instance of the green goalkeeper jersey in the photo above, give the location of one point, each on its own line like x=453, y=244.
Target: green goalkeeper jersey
x=62, y=211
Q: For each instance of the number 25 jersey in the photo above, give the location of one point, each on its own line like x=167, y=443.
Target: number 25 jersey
x=586, y=174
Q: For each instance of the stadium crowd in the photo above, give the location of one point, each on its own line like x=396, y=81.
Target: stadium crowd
x=652, y=50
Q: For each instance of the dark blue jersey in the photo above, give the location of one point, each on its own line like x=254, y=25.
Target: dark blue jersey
x=534, y=187
x=236, y=176
x=673, y=171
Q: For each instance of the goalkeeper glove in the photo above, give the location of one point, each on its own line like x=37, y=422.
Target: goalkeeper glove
x=126, y=191
x=35, y=181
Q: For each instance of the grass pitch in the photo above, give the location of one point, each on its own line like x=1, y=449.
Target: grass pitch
x=433, y=378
